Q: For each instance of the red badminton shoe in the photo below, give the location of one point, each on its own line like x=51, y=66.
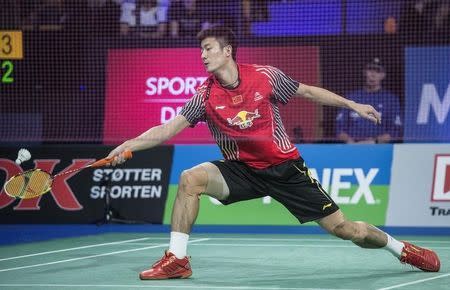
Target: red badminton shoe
x=168, y=267
x=424, y=259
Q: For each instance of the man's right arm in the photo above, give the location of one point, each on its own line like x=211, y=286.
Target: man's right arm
x=151, y=138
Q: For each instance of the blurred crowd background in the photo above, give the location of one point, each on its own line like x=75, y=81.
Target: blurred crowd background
x=59, y=90
x=418, y=19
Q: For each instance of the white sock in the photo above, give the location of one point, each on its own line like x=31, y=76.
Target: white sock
x=178, y=244
x=394, y=246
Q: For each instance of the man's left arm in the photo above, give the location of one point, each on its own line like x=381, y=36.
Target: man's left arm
x=328, y=98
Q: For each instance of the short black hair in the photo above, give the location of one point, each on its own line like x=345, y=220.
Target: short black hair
x=224, y=35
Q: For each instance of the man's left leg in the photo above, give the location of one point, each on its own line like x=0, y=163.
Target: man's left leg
x=368, y=236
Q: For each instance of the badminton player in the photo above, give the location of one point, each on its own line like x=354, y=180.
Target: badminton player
x=239, y=103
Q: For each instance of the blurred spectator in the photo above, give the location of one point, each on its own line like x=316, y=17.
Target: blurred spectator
x=226, y=17
x=151, y=21
x=297, y=135
x=441, y=20
x=253, y=10
x=9, y=15
x=426, y=19
x=351, y=128
x=49, y=15
x=104, y=17
x=185, y=18
x=390, y=25
x=416, y=18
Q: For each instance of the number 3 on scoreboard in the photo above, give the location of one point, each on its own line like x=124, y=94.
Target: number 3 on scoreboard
x=11, y=45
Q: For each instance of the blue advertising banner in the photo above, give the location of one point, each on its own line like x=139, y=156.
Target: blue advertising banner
x=365, y=158
x=427, y=94
x=357, y=177
x=317, y=157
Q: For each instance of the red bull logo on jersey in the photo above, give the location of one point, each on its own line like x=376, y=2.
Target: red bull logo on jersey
x=244, y=119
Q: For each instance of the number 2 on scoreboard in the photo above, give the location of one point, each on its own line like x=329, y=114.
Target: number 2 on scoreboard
x=6, y=72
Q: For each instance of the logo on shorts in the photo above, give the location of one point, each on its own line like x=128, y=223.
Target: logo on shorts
x=325, y=206
x=244, y=119
x=441, y=179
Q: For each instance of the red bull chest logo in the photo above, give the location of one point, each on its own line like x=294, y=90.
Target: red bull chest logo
x=244, y=119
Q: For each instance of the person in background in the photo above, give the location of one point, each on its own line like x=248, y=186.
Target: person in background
x=226, y=17
x=416, y=19
x=253, y=11
x=50, y=15
x=149, y=22
x=351, y=128
x=441, y=21
x=185, y=18
x=104, y=18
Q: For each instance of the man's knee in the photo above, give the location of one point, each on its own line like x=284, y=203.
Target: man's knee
x=193, y=181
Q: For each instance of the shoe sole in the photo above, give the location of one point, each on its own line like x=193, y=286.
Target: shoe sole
x=185, y=276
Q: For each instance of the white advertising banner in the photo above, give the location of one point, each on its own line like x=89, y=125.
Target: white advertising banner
x=420, y=186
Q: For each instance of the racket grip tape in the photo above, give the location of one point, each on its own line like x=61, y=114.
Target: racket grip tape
x=102, y=162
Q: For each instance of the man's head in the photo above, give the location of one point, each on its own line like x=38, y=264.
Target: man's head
x=218, y=45
x=375, y=73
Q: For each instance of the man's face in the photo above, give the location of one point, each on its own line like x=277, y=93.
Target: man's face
x=213, y=56
x=374, y=77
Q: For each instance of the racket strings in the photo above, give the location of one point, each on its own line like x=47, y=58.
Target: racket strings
x=29, y=185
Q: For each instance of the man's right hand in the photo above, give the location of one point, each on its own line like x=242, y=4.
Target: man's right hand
x=118, y=154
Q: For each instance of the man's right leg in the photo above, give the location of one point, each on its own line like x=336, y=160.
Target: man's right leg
x=201, y=179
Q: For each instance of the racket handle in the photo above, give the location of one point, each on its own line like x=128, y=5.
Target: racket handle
x=102, y=162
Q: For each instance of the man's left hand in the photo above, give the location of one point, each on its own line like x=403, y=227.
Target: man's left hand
x=367, y=112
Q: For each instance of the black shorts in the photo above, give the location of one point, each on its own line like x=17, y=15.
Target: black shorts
x=289, y=183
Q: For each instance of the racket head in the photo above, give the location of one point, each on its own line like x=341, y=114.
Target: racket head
x=29, y=184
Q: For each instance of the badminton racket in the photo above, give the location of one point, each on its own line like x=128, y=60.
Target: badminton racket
x=36, y=182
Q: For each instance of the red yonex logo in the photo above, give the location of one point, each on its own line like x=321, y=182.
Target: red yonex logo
x=441, y=178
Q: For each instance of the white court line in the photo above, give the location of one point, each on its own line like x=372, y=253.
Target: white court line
x=296, y=239
x=264, y=245
x=261, y=239
x=415, y=282
x=349, y=245
x=133, y=242
x=310, y=240
x=92, y=256
x=292, y=245
x=277, y=245
x=168, y=286
x=73, y=249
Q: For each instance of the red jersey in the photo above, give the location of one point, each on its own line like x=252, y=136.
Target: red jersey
x=245, y=121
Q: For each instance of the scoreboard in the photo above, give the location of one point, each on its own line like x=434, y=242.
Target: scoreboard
x=11, y=49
